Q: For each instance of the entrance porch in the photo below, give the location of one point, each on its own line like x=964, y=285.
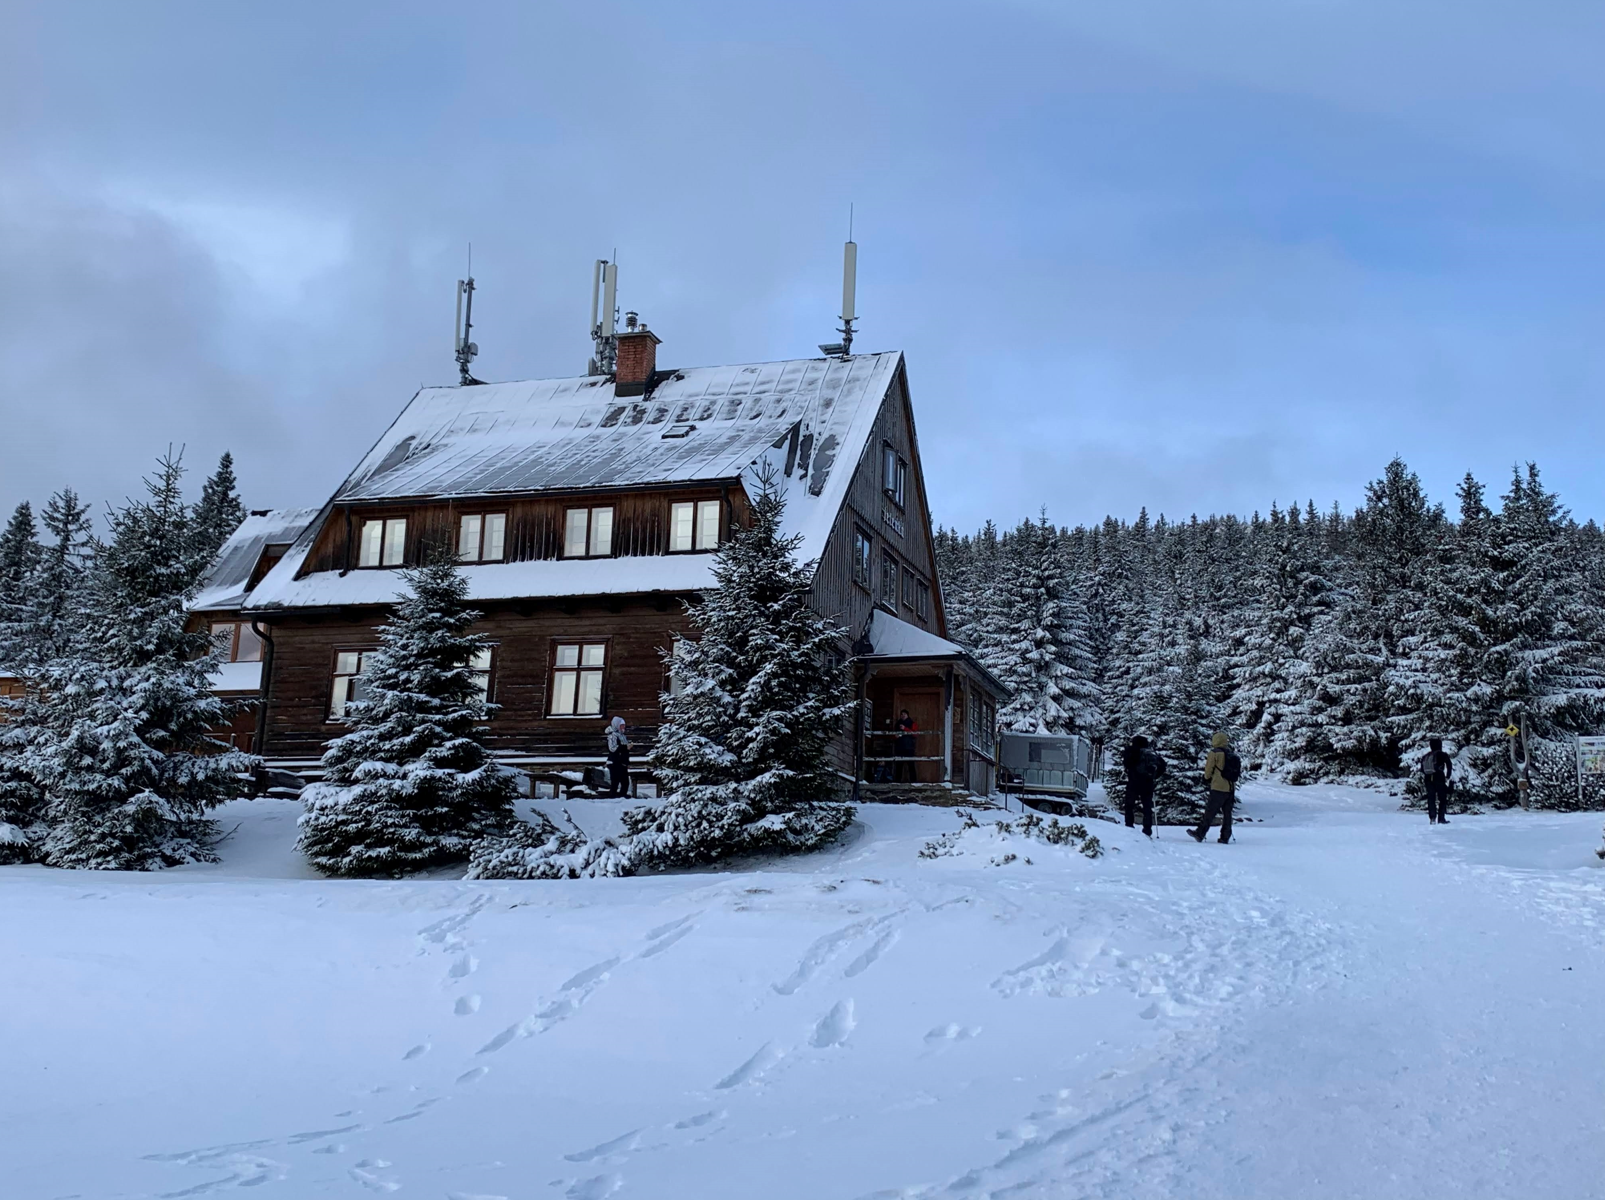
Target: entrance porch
x=927, y=730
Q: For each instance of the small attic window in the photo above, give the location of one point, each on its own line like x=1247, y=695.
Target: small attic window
x=678, y=431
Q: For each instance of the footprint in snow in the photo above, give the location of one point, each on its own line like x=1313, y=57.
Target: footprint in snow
x=466, y=1006
x=833, y=1028
x=473, y=1075
x=951, y=1032
x=821, y=952
x=465, y=966
x=653, y=935
x=667, y=940
x=755, y=1067
x=867, y=959
x=316, y=1135
x=598, y=1187
x=591, y=975
x=367, y=1174
x=698, y=1121
x=622, y=1144
x=418, y=1051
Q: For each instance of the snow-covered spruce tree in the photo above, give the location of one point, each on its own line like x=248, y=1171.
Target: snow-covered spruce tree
x=412, y=786
x=1043, y=655
x=21, y=801
x=218, y=513
x=743, y=750
x=123, y=750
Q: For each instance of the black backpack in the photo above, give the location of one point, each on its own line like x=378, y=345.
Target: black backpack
x=1231, y=766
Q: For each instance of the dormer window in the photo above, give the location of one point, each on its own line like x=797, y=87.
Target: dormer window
x=588, y=532
x=694, y=526
x=482, y=537
x=383, y=543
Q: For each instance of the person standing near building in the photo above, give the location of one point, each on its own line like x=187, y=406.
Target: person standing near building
x=1221, y=770
x=618, y=758
x=1437, y=772
x=905, y=747
x=1143, y=767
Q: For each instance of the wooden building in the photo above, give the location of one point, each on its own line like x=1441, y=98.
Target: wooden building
x=585, y=512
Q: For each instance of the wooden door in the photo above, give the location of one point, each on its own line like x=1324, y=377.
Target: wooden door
x=924, y=704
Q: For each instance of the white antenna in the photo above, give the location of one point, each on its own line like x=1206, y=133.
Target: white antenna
x=604, y=324
x=849, y=312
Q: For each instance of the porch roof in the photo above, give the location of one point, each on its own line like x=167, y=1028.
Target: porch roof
x=894, y=640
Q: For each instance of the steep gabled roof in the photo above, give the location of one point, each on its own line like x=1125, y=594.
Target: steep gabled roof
x=224, y=586
x=698, y=424
x=810, y=419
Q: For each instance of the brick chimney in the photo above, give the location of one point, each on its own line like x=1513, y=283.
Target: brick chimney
x=637, y=358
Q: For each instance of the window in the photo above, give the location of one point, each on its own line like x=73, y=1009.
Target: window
x=481, y=537
x=694, y=526
x=675, y=684
x=922, y=600
x=908, y=589
x=384, y=542
x=479, y=666
x=588, y=533
x=889, y=580
x=236, y=642
x=862, y=561
x=577, y=669
x=348, y=668
x=894, y=474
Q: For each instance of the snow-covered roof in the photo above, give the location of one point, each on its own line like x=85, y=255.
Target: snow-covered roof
x=626, y=575
x=699, y=423
x=223, y=588
x=809, y=419
x=891, y=637
x=895, y=638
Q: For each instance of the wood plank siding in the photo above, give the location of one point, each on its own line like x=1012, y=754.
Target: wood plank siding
x=534, y=523
x=634, y=631
x=903, y=531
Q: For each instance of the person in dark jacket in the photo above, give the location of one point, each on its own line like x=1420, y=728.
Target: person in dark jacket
x=1143, y=767
x=904, y=748
x=1220, y=780
x=1437, y=770
x=618, y=758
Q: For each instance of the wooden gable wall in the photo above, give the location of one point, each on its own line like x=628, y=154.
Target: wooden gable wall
x=870, y=509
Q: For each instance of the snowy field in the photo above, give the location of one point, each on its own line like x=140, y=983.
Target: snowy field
x=1345, y=1002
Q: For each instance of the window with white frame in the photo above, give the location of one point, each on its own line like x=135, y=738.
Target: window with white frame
x=588, y=532
x=578, y=670
x=694, y=525
x=480, y=667
x=675, y=684
x=894, y=474
x=236, y=641
x=888, y=580
x=348, y=668
x=481, y=537
x=383, y=542
x=863, y=560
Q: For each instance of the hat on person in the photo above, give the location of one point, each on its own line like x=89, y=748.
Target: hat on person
x=617, y=723
x=1219, y=740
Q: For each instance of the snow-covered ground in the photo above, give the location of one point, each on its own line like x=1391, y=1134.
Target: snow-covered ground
x=1345, y=1002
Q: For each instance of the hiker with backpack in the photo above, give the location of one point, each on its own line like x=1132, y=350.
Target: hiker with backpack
x=1221, y=771
x=1144, y=767
x=1437, y=771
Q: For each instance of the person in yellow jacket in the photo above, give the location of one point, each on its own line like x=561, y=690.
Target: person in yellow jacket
x=1221, y=769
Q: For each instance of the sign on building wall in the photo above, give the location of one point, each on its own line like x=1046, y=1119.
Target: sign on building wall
x=1590, y=761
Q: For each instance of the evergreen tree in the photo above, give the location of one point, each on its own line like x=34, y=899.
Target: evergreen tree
x=19, y=560
x=1043, y=655
x=743, y=751
x=123, y=750
x=412, y=786
x=218, y=513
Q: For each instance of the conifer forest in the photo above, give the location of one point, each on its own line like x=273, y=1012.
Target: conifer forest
x=1331, y=645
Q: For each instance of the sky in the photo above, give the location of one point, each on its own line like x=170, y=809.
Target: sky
x=1194, y=255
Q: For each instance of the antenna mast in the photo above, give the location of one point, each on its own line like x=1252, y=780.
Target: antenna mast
x=604, y=321
x=849, y=313
x=465, y=349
